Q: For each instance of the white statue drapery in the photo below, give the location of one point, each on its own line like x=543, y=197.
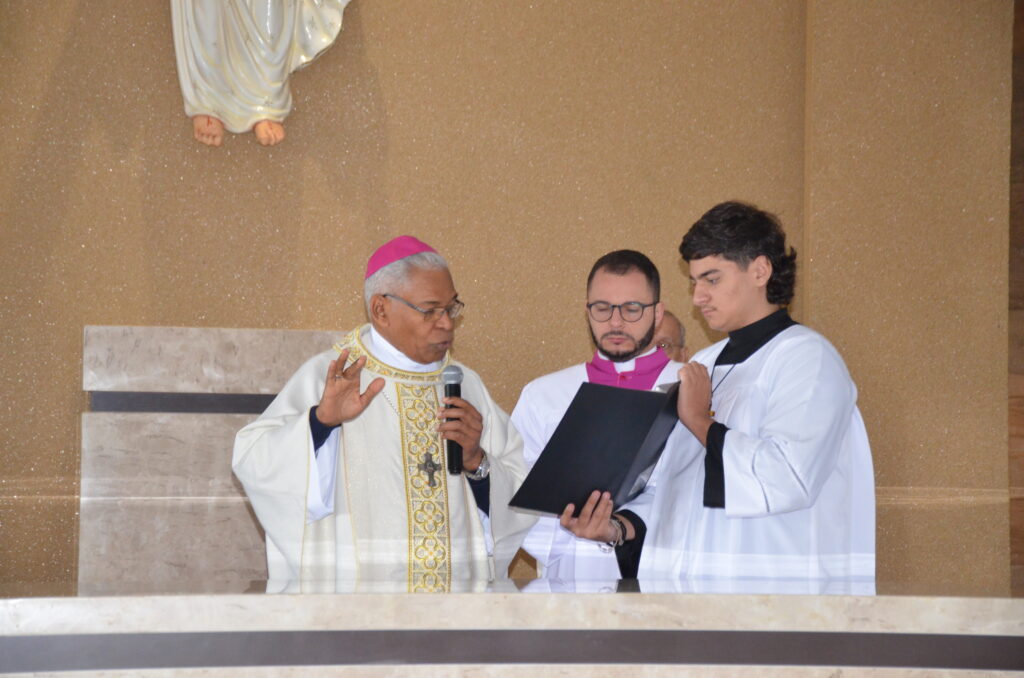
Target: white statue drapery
x=235, y=56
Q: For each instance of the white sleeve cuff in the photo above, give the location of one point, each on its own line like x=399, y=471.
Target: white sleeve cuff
x=322, y=473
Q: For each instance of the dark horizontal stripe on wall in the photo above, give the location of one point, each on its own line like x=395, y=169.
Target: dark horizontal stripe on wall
x=307, y=648
x=204, y=403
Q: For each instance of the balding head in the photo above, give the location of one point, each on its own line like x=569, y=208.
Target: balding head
x=670, y=336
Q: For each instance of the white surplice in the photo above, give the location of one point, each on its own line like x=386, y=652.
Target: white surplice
x=384, y=523
x=799, y=484
x=560, y=554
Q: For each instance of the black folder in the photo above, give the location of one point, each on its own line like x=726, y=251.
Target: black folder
x=609, y=439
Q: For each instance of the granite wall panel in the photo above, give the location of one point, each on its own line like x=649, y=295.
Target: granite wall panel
x=160, y=508
x=194, y=359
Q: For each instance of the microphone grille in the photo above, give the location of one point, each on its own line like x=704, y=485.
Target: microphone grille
x=451, y=375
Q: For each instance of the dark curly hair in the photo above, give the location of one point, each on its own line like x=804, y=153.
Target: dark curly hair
x=621, y=262
x=741, y=232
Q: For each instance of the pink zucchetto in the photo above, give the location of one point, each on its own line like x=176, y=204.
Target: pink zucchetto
x=399, y=248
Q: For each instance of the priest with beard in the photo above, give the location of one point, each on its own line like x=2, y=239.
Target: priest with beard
x=346, y=467
x=768, y=476
x=623, y=309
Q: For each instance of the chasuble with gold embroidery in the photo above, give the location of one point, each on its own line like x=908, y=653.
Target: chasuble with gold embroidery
x=393, y=517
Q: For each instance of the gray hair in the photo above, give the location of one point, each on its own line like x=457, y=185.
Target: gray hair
x=392, y=278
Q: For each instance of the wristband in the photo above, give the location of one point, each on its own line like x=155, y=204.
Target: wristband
x=620, y=531
x=482, y=471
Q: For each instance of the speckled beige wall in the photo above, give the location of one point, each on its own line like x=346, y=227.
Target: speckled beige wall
x=906, y=235
x=524, y=139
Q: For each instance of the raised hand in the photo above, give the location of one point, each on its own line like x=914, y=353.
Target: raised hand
x=342, y=400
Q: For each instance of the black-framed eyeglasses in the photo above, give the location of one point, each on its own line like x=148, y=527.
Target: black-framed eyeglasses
x=434, y=314
x=631, y=311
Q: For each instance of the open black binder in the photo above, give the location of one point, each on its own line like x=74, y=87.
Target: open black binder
x=609, y=439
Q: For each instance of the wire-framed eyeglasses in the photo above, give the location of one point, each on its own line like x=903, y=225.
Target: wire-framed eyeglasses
x=454, y=309
x=631, y=311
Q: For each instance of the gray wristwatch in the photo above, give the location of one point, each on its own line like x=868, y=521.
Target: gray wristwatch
x=482, y=471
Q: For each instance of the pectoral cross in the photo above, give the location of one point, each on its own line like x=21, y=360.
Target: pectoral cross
x=430, y=467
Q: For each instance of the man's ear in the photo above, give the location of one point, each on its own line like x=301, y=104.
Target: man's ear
x=762, y=269
x=379, y=310
x=659, y=313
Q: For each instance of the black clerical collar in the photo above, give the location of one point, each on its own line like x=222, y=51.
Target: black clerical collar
x=745, y=341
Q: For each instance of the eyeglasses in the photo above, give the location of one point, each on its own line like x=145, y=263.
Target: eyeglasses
x=631, y=311
x=454, y=309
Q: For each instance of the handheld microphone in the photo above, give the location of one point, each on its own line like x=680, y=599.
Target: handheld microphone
x=451, y=376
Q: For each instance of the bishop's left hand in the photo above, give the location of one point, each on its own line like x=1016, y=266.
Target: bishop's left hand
x=462, y=424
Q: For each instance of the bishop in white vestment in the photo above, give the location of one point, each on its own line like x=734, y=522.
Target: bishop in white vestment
x=361, y=499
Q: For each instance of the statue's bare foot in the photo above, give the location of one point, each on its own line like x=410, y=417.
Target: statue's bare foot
x=208, y=130
x=268, y=132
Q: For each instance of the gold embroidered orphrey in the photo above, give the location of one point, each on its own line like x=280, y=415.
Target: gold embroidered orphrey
x=427, y=504
x=429, y=564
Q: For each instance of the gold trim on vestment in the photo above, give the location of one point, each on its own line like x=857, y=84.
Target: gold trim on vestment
x=427, y=507
x=353, y=341
x=429, y=541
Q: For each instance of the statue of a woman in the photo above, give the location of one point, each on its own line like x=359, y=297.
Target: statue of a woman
x=235, y=56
